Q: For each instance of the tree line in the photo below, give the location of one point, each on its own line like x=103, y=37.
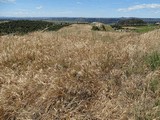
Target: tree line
x=132, y=22
x=26, y=26
x=129, y=22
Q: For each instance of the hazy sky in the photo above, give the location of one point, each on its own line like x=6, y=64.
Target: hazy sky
x=80, y=8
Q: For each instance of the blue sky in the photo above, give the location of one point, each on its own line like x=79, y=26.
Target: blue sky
x=80, y=8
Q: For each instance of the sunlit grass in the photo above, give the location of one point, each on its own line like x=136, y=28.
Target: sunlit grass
x=76, y=73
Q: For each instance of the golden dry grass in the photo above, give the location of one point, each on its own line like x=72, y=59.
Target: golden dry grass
x=78, y=74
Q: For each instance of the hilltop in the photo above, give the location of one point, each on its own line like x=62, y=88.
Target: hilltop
x=77, y=73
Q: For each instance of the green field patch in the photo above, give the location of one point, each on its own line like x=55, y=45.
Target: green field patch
x=147, y=28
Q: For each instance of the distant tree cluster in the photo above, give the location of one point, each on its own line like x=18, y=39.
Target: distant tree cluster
x=131, y=22
x=26, y=26
x=116, y=26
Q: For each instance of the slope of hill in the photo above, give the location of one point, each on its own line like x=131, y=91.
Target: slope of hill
x=76, y=73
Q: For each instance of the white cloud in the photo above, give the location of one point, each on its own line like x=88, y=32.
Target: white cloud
x=7, y=1
x=141, y=6
x=39, y=7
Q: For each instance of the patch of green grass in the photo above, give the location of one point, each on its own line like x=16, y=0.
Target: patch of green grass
x=144, y=29
x=153, y=60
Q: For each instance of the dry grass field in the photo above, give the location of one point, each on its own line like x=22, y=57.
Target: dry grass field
x=79, y=74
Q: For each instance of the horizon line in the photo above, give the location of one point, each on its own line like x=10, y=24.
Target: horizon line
x=73, y=17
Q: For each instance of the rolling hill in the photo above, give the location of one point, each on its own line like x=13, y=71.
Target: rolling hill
x=79, y=74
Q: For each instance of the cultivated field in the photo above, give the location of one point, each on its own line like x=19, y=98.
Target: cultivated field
x=79, y=74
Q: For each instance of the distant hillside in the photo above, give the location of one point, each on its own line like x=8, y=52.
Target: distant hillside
x=79, y=19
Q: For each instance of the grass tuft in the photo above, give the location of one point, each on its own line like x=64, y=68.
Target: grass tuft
x=154, y=60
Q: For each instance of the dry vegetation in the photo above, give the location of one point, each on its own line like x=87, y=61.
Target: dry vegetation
x=79, y=74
